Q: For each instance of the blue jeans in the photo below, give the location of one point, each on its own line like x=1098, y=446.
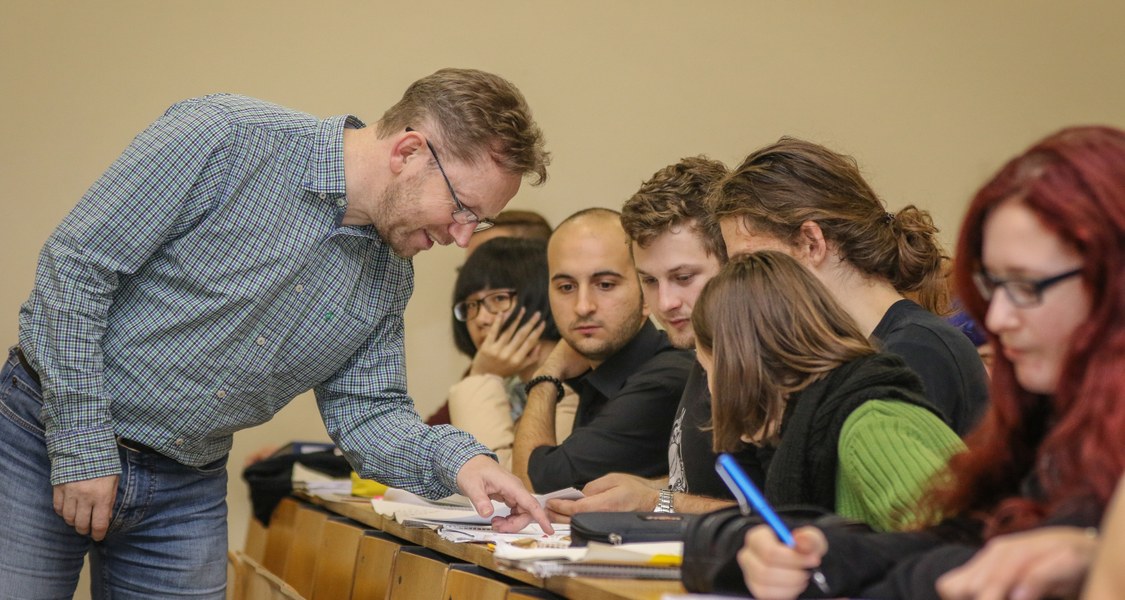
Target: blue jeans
x=167, y=537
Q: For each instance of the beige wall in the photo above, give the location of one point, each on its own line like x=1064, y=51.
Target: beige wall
x=930, y=97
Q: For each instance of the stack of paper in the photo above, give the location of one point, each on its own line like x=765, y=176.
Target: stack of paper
x=532, y=535
x=319, y=484
x=652, y=560
x=411, y=509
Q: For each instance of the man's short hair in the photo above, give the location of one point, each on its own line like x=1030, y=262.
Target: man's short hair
x=524, y=224
x=674, y=196
x=592, y=212
x=473, y=112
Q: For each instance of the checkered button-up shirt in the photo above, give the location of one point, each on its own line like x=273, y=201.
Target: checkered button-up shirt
x=204, y=281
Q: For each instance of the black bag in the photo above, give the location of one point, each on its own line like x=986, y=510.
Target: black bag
x=712, y=542
x=627, y=527
x=271, y=479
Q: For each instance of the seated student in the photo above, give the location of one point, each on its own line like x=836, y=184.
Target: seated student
x=502, y=319
x=1040, y=264
x=677, y=249
x=847, y=426
x=524, y=224
x=629, y=378
x=806, y=200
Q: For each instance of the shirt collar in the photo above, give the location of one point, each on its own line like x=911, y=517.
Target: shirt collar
x=610, y=376
x=325, y=174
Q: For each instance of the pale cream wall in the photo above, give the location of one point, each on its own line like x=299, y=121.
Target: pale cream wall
x=930, y=97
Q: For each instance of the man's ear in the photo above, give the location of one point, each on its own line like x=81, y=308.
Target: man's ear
x=811, y=245
x=406, y=147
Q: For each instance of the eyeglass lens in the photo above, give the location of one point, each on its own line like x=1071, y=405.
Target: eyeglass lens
x=495, y=303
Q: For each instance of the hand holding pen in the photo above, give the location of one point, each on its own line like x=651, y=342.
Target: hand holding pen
x=781, y=581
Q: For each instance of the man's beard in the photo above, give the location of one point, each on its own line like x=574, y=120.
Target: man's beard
x=600, y=350
x=397, y=202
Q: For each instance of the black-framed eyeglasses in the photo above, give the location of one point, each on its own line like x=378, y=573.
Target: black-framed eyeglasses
x=462, y=215
x=495, y=303
x=1024, y=293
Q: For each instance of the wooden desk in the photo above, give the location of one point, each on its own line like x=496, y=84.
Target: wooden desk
x=586, y=588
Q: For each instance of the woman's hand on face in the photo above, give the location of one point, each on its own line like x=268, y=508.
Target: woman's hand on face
x=506, y=352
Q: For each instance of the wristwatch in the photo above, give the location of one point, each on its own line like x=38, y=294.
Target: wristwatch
x=664, y=502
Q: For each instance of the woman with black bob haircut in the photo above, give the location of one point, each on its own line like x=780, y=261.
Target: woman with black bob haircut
x=502, y=321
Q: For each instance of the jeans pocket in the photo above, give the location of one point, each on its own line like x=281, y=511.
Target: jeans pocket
x=22, y=404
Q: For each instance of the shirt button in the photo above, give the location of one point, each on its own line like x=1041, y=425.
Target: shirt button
x=261, y=341
x=322, y=195
x=298, y=288
x=221, y=394
x=341, y=202
x=180, y=441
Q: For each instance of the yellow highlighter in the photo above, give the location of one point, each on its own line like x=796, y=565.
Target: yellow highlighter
x=665, y=560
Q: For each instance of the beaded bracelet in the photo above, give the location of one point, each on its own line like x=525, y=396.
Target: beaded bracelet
x=559, y=390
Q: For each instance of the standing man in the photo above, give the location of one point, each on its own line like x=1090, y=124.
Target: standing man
x=627, y=375
x=235, y=255
x=677, y=249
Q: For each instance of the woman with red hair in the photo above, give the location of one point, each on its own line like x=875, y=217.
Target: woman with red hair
x=1041, y=262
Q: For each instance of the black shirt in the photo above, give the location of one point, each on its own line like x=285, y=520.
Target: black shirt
x=624, y=418
x=948, y=363
x=691, y=457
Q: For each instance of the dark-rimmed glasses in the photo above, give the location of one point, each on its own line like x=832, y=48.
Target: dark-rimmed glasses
x=1024, y=293
x=462, y=215
x=495, y=303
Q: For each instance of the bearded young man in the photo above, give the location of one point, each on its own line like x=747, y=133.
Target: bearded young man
x=627, y=374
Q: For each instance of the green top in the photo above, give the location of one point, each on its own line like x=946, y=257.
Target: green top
x=888, y=452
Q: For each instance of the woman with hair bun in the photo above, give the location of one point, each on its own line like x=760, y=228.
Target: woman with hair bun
x=1041, y=263
x=812, y=203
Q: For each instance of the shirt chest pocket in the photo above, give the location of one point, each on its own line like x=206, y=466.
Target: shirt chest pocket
x=285, y=359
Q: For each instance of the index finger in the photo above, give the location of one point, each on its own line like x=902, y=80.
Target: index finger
x=99, y=520
x=526, y=503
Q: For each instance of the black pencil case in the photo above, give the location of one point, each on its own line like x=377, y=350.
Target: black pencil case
x=627, y=527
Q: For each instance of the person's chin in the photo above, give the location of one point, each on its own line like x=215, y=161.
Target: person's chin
x=684, y=340
x=591, y=348
x=411, y=245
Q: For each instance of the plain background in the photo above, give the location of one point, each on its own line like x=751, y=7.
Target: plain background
x=930, y=98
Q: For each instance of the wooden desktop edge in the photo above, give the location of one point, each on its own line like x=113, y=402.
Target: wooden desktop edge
x=360, y=510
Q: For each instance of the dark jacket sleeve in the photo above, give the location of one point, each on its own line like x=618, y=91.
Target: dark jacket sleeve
x=914, y=575
x=859, y=561
x=629, y=435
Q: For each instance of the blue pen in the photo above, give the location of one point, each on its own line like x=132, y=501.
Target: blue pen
x=748, y=496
